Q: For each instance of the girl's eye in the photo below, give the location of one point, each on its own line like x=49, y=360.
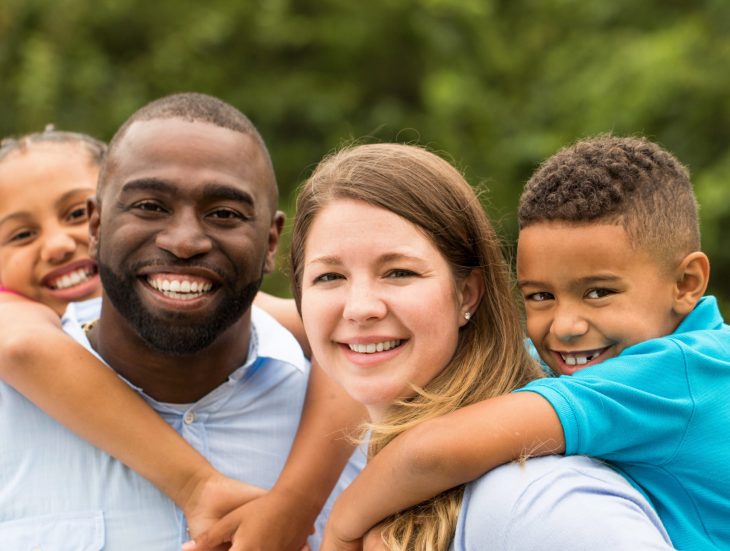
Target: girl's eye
x=399, y=273
x=599, y=293
x=540, y=296
x=78, y=214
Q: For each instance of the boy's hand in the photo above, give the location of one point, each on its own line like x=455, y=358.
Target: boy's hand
x=271, y=522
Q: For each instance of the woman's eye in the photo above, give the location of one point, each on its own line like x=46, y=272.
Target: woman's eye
x=399, y=273
x=540, y=296
x=324, y=278
x=599, y=293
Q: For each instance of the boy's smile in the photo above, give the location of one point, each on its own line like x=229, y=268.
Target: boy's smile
x=589, y=294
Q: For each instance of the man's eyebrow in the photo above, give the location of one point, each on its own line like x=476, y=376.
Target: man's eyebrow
x=223, y=191
x=211, y=190
x=146, y=184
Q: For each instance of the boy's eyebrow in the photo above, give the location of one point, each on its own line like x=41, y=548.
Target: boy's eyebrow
x=581, y=281
x=212, y=190
x=13, y=215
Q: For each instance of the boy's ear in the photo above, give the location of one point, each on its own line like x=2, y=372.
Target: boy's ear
x=471, y=290
x=92, y=209
x=693, y=274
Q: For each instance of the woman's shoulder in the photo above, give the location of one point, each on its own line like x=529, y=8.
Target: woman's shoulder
x=556, y=502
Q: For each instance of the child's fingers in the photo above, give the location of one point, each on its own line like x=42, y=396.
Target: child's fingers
x=217, y=535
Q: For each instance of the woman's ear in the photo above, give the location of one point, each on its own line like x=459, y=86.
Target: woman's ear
x=470, y=292
x=692, y=276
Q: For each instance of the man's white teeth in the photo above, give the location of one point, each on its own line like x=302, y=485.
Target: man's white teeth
x=69, y=280
x=177, y=289
x=374, y=347
x=578, y=358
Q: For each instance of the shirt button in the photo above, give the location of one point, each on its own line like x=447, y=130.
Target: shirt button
x=189, y=418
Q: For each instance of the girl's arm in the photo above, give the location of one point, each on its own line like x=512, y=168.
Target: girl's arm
x=439, y=454
x=285, y=312
x=66, y=381
x=319, y=453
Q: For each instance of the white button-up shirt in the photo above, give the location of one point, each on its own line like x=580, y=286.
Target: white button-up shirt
x=59, y=492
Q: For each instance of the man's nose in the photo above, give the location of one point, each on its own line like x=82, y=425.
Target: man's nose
x=184, y=236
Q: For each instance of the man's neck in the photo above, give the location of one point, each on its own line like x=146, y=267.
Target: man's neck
x=167, y=378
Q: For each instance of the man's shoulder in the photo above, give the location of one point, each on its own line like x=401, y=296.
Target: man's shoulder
x=275, y=342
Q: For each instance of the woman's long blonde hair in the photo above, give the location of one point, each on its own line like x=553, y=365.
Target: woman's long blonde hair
x=490, y=358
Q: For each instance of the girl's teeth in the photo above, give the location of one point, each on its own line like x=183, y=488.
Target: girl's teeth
x=69, y=280
x=374, y=347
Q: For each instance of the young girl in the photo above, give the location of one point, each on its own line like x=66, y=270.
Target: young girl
x=45, y=181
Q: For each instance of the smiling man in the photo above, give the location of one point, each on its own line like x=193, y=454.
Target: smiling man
x=184, y=226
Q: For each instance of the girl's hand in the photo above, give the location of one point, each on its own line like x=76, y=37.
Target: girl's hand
x=213, y=498
x=272, y=522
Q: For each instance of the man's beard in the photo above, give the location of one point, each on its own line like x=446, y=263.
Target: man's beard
x=169, y=336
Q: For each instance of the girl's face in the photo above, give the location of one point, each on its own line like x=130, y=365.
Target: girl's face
x=43, y=224
x=380, y=304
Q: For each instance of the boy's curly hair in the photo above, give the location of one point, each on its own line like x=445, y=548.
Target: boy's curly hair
x=617, y=180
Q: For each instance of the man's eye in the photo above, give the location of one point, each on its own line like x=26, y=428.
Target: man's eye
x=540, y=296
x=148, y=206
x=599, y=293
x=226, y=214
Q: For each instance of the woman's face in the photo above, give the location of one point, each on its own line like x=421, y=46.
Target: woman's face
x=44, y=234
x=380, y=304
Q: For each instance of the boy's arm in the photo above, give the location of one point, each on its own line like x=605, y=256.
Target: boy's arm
x=319, y=453
x=285, y=312
x=63, y=379
x=439, y=454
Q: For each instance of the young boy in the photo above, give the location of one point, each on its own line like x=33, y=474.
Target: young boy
x=612, y=275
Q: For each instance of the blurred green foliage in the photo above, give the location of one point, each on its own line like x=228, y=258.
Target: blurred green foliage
x=494, y=85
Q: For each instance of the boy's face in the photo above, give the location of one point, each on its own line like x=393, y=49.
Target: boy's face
x=589, y=294
x=43, y=224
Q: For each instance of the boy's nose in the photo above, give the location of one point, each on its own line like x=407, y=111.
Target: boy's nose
x=568, y=325
x=184, y=237
x=58, y=247
x=362, y=304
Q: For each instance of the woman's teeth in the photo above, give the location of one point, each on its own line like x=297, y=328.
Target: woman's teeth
x=373, y=347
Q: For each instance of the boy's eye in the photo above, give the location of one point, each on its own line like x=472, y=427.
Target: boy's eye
x=21, y=235
x=540, y=296
x=599, y=293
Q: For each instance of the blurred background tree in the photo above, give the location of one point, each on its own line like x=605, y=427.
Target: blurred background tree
x=494, y=85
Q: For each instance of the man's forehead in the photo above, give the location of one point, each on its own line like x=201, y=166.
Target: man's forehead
x=176, y=145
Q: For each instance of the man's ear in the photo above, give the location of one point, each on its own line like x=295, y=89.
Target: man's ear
x=692, y=276
x=277, y=224
x=93, y=208
x=470, y=290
